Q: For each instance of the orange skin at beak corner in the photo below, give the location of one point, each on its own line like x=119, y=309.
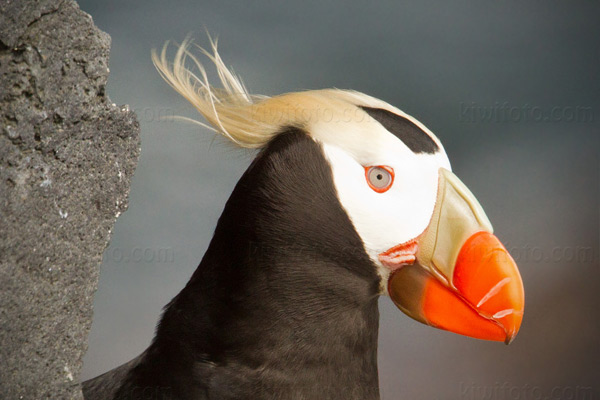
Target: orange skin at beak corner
x=485, y=302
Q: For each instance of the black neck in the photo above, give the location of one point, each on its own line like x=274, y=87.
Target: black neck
x=284, y=303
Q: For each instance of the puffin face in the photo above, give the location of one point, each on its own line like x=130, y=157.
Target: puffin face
x=425, y=232
x=427, y=235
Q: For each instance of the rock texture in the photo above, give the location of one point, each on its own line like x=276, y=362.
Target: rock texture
x=67, y=155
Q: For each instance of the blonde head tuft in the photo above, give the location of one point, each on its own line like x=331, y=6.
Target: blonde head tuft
x=250, y=121
x=226, y=108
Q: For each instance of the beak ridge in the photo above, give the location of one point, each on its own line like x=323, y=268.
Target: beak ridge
x=457, y=215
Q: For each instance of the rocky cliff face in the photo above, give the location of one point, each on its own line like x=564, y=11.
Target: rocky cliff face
x=67, y=155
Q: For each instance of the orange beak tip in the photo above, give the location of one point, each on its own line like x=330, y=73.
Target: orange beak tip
x=487, y=277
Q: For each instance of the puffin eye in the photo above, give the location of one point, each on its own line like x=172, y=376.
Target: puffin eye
x=379, y=177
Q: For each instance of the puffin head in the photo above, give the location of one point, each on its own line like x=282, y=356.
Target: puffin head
x=427, y=236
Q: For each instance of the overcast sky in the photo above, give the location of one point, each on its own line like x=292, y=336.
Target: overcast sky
x=512, y=88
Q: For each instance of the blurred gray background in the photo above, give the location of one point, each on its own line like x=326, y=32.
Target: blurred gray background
x=512, y=88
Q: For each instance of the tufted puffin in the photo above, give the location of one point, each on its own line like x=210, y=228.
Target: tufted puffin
x=349, y=198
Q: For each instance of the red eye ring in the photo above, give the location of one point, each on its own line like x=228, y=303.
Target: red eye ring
x=376, y=181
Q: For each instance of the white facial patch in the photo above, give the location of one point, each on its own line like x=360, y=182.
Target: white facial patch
x=398, y=215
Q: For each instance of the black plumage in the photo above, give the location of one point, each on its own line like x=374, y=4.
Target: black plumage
x=404, y=129
x=283, y=304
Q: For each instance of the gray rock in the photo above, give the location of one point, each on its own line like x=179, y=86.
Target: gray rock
x=67, y=155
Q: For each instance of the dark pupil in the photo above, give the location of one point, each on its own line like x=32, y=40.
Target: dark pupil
x=379, y=176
